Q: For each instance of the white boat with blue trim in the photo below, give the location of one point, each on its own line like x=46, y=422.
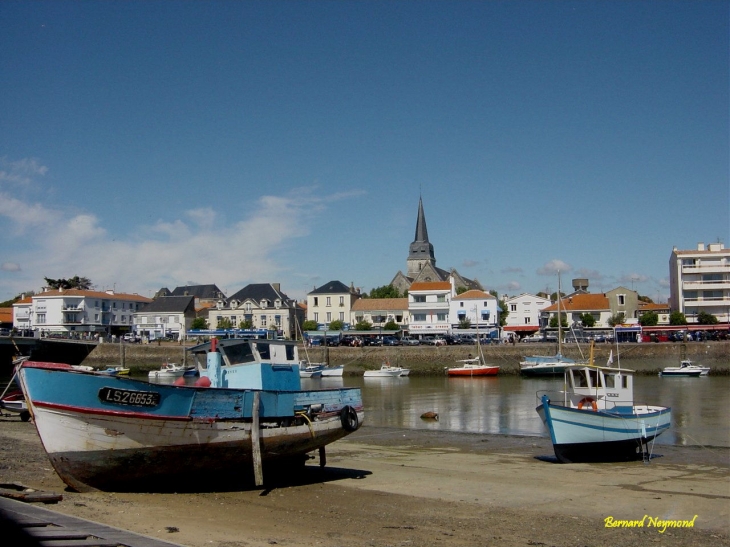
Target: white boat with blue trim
x=247, y=409
x=686, y=368
x=596, y=418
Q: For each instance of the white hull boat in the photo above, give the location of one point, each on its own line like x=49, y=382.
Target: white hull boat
x=386, y=371
x=596, y=419
x=687, y=369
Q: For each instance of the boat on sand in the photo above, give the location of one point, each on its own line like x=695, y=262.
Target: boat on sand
x=596, y=419
x=247, y=411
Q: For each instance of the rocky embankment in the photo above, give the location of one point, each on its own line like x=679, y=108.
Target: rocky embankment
x=645, y=358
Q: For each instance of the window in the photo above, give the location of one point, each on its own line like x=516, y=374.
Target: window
x=329, y=301
x=485, y=316
x=342, y=300
x=610, y=380
x=441, y=316
x=528, y=320
x=461, y=304
x=316, y=301
x=513, y=307
x=419, y=317
x=440, y=298
x=342, y=316
x=420, y=298
x=329, y=316
x=621, y=299
x=263, y=320
x=277, y=320
x=40, y=318
x=316, y=317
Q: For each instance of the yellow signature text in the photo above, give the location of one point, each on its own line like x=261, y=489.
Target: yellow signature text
x=650, y=522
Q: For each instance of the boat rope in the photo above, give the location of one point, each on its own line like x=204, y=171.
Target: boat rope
x=303, y=414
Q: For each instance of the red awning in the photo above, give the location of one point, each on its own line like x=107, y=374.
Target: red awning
x=521, y=328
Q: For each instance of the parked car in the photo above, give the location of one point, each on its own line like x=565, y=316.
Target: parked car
x=537, y=337
x=408, y=341
x=390, y=341
x=131, y=337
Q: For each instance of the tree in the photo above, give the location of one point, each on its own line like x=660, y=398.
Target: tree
x=587, y=320
x=645, y=299
x=75, y=282
x=503, y=312
x=616, y=319
x=465, y=323
x=704, y=318
x=386, y=291
x=363, y=325
x=309, y=324
x=9, y=303
x=649, y=319
x=224, y=323
x=336, y=325
x=246, y=324
x=461, y=290
x=391, y=325
x=563, y=321
x=677, y=318
x=199, y=323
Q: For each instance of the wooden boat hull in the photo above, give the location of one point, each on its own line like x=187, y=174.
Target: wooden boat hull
x=166, y=433
x=585, y=435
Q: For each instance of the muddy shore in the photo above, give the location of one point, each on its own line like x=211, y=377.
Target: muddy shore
x=387, y=487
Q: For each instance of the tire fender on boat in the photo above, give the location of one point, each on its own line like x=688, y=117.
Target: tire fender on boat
x=348, y=416
x=586, y=400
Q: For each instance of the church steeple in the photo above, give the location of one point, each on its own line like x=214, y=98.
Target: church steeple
x=420, y=251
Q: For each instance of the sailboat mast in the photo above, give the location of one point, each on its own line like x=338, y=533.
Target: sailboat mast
x=560, y=320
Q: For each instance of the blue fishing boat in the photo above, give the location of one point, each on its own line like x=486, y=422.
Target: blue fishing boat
x=595, y=417
x=246, y=410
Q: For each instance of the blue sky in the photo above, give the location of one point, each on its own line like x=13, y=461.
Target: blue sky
x=163, y=143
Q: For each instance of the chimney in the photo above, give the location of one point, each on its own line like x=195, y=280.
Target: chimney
x=700, y=246
x=277, y=286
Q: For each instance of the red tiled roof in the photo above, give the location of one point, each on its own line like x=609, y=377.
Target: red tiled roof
x=6, y=315
x=473, y=294
x=93, y=294
x=378, y=304
x=581, y=302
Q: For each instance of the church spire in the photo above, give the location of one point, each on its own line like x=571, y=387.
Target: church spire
x=420, y=251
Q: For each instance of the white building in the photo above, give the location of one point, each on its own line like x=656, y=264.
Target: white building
x=700, y=281
x=165, y=316
x=331, y=302
x=380, y=311
x=260, y=305
x=66, y=311
x=524, y=313
x=480, y=308
x=429, y=305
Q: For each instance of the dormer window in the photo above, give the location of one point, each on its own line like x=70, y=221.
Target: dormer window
x=277, y=303
x=234, y=304
x=264, y=304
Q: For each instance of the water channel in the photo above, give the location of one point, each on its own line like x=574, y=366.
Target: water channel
x=506, y=404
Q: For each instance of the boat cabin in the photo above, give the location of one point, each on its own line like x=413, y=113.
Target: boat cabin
x=595, y=387
x=250, y=364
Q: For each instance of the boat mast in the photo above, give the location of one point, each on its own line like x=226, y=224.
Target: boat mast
x=560, y=322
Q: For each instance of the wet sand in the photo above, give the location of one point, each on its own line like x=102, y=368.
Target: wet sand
x=388, y=486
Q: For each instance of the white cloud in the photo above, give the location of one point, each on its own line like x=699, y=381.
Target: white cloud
x=553, y=267
x=22, y=171
x=198, y=245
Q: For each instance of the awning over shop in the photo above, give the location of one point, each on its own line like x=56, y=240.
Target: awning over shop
x=521, y=328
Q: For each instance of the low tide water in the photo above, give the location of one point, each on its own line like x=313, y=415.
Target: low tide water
x=506, y=404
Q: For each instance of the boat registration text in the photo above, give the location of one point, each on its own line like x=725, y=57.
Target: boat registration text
x=128, y=397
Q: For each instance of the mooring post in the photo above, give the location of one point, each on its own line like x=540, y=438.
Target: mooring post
x=322, y=457
x=258, y=472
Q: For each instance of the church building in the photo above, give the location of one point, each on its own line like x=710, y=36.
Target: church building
x=421, y=262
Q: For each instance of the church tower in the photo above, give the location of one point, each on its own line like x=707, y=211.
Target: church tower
x=420, y=252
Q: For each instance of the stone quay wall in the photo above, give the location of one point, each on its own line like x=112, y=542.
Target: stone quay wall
x=645, y=358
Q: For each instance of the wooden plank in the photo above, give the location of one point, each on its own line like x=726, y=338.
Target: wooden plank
x=57, y=532
x=108, y=536
x=80, y=543
x=256, y=442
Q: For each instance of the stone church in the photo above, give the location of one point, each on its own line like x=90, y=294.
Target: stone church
x=421, y=262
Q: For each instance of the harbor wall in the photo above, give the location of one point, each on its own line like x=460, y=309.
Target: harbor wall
x=645, y=358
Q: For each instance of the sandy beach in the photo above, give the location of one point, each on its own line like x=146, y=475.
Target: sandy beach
x=387, y=486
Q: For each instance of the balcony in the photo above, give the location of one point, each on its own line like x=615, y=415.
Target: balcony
x=706, y=268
